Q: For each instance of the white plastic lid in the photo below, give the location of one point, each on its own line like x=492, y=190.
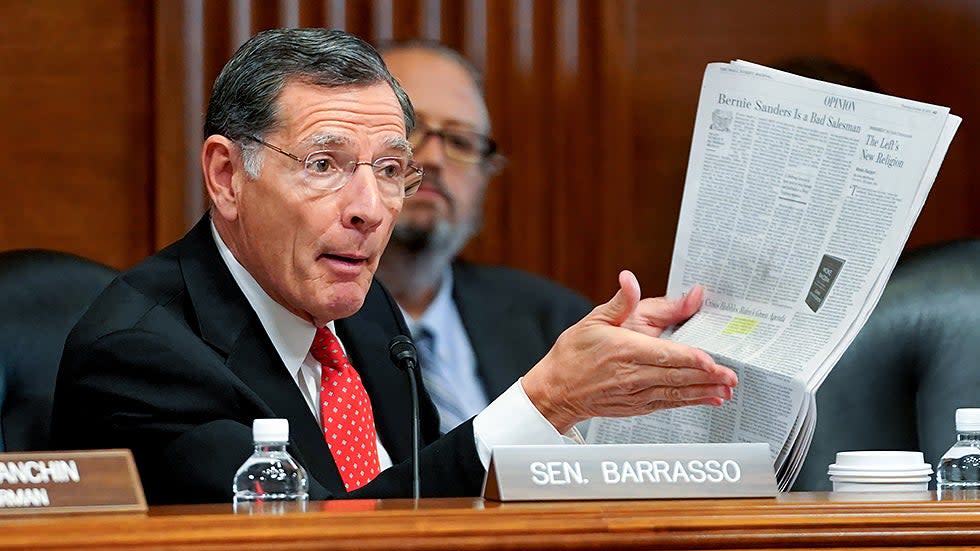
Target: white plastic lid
x=880, y=459
x=880, y=465
x=883, y=481
x=968, y=420
x=270, y=430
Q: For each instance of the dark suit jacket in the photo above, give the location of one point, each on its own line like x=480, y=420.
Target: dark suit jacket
x=172, y=362
x=512, y=319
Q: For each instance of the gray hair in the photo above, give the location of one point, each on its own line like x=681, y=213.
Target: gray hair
x=243, y=101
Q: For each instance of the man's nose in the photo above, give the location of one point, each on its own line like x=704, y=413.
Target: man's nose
x=363, y=205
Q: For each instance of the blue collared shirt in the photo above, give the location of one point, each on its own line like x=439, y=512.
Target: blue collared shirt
x=455, y=361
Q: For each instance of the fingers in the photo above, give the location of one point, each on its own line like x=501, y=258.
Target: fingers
x=675, y=384
x=621, y=305
x=654, y=352
x=691, y=303
x=682, y=394
x=629, y=284
x=652, y=315
x=710, y=401
x=670, y=374
x=681, y=377
x=665, y=397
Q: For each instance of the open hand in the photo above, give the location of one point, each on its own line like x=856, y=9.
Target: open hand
x=611, y=363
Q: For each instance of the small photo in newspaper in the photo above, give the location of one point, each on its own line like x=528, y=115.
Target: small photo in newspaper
x=823, y=281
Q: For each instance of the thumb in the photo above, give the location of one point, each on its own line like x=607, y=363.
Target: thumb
x=622, y=304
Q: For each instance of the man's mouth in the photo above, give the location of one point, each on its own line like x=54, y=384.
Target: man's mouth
x=435, y=189
x=354, y=260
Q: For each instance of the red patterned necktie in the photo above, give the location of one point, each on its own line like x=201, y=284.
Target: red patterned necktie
x=345, y=413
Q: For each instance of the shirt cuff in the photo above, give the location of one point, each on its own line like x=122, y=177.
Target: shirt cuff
x=512, y=420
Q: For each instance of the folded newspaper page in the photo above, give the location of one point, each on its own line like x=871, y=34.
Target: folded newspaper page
x=798, y=200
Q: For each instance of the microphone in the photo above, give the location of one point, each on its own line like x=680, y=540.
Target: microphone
x=402, y=352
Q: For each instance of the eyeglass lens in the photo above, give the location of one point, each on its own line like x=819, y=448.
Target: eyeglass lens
x=458, y=144
x=333, y=169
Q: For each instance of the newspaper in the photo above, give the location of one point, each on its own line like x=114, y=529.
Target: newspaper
x=798, y=200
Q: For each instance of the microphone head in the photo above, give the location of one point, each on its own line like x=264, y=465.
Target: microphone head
x=401, y=349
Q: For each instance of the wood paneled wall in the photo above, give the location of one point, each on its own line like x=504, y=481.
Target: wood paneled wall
x=76, y=145
x=592, y=101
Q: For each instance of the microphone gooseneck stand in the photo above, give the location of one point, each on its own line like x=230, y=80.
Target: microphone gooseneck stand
x=403, y=355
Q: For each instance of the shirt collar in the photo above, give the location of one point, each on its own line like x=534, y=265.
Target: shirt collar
x=440, y=311
x=290, y=334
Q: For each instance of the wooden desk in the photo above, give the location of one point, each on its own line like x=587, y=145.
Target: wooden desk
x=796, y=520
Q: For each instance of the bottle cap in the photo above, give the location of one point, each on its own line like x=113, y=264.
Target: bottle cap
x=270, y=430
x=968, y=419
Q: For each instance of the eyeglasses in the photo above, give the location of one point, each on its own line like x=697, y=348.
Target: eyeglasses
x=459, y=144
x=330, y=170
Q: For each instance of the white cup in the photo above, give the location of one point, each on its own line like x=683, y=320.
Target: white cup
x=880, y=471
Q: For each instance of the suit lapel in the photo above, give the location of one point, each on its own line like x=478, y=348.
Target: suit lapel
x=227, y=322
x=255, y=360
x=219, y=306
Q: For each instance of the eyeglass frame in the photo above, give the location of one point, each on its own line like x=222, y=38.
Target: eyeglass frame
x=407, y=190
x=489, y=151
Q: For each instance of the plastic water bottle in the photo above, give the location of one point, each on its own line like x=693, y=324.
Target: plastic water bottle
x=958, y=473
x=270, y=475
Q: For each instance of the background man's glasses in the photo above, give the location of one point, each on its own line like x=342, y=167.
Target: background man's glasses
x=330, y=169
x=459, y=144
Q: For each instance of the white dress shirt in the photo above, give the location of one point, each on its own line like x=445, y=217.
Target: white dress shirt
x=510, y=420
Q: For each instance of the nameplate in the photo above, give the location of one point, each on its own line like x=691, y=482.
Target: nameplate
x=629, y=471
x=70, y=482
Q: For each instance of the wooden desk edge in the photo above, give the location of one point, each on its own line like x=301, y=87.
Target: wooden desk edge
x=787, y=521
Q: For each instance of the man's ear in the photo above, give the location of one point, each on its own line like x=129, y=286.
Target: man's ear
x=223, y=173
x=494, y=164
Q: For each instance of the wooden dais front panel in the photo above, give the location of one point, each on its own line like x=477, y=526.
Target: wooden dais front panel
x=788, y=521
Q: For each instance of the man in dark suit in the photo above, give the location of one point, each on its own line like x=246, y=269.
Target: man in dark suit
x=268, y=307
x=457, y=310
